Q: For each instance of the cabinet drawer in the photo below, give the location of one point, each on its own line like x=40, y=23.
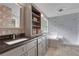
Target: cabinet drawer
x=40, y=49
x=31, y=44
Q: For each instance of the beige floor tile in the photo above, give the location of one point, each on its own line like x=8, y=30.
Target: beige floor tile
x=63, y=51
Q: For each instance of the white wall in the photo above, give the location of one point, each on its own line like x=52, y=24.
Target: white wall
x=65, y=25
x=78, y=29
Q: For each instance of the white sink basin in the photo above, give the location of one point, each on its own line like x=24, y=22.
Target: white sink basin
x=16, y=41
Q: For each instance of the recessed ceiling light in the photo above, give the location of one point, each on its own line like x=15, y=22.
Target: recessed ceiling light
x=60, y=10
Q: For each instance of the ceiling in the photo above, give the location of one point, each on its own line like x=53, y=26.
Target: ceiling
x=52, y=9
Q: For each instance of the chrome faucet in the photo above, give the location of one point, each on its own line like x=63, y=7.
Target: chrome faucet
x=14, y=36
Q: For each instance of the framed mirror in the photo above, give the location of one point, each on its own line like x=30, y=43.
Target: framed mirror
x=10, y=15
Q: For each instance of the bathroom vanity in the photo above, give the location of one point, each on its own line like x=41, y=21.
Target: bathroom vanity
x=31, y=47
x=27, y=20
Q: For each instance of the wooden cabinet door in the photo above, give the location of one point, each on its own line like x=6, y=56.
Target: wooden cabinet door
x=42, y=46
x=46, y=43
x=14, y=52
x=31, y=44
x=32, y=52
x=40, y=49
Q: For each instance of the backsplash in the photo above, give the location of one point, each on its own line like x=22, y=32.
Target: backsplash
x=10, y=36
x=6, y=31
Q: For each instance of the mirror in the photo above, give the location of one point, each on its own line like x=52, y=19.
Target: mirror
x=10, y=15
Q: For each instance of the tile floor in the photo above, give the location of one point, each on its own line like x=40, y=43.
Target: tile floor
x=64, y=50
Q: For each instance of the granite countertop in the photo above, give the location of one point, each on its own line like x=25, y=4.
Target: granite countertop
x=4, y=47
